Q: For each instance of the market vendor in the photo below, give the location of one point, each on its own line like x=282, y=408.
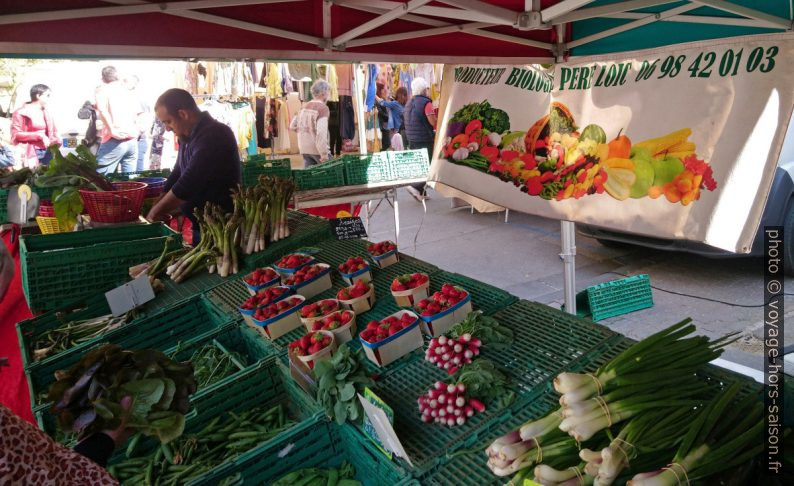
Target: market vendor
x=208, y=163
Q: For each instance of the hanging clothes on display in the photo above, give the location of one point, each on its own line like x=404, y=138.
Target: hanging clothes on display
x=283, y=139
x=344, y=73
x=333, y=81
x=262, y=136
x=293, y=108
x=334, y=133
x=158, y=143
x=273, y=84
x=372, y=78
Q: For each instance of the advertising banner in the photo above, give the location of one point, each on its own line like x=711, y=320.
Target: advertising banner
x=678, y=143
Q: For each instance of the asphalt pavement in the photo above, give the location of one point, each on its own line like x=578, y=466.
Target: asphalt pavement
x=521, y=255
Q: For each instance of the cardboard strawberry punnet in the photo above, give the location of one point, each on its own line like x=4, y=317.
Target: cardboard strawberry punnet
x=391, y=338
x=278, y=318
x=310, y=280
x=312, y=347
x=410, y=288
x=318, y=310
x=383, y=253
x=263, y=298
x=261, y=278
x=359, y=297
x=289, y=264
x=341, y=323
x=355, y=268
x=444, y=309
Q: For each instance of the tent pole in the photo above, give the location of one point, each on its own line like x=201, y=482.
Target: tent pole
x=567, y=228
x=568, y=256
x=359, y=101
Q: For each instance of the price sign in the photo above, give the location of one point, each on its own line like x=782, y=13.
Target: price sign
x=348, y=228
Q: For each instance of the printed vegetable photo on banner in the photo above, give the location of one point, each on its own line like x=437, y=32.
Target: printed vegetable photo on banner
x=676, y=145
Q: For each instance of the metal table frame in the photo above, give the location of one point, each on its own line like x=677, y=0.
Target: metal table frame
x=367, y=193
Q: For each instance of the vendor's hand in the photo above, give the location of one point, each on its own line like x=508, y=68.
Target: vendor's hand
x=45, y=140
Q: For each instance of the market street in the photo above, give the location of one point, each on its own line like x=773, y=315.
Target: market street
x=521, y=257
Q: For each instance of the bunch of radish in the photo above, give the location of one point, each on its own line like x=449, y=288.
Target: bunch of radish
x=452, y=353
x=448, y=405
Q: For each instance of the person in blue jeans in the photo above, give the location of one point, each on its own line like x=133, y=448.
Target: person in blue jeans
x=118, y=109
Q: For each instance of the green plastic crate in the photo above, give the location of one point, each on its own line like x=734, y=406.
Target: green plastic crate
x=425, y=444
x=484, y=297
x=4, y=205
x=62, y=267
x=365, y=169
x=615, y=298
x=130, y=176
x=192, y=319
x=265, y=385
x=320, y=445
x=45, y=193
x=259, y=165
x=409, y=164
x=329, y=174
x=248, y=347
x=546, y=341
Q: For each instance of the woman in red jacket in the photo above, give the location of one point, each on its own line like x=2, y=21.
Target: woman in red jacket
x=33, y=125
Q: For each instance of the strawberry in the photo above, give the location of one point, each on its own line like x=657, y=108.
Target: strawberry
x=317, y=325
x=352, y=265
x=346, y=317
x=316, y=348
x=260, y=276
x=373, y=325
x=293, y=261
x=378, y=249
x=305, y=341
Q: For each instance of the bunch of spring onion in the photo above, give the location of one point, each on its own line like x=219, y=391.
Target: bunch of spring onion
x=655, y=372
x=280, y=192
x=74, y=333
x=158, y=266
x=639, y=444
x=222, y=230
x=253, y=205
x=536, y=441
x=725, y=433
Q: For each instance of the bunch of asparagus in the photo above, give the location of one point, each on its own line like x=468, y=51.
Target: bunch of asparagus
x=263, y=211
x=217, y=250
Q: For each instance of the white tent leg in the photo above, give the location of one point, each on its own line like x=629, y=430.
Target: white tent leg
x=568, y=256
x=358, y=100
x=396, y=207
x=507, y=214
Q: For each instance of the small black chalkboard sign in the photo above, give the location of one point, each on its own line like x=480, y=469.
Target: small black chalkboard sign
x=348, y=228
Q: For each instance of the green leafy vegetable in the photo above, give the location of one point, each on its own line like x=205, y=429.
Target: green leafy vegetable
x=88, y=396
x=338, y=381
x=483, y=327
x=484, y=382
x=69, y=174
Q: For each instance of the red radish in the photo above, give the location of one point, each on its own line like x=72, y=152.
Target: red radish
x=477, y=405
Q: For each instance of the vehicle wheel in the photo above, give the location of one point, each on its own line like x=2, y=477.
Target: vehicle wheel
x=613, y=244
x=788, y=243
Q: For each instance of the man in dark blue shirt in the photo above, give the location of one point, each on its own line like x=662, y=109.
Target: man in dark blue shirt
x=208, y=163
